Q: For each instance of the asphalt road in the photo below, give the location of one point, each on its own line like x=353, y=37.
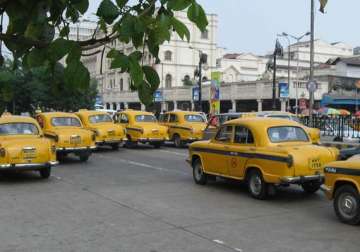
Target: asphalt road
x=143, y=199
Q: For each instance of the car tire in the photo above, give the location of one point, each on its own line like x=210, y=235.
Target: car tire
x=45, y=173
x=311, y=187
x=257, y=186
x=177, y=141
x=130, y=144
x=84, y=157
x=199, y=176
x=115, y=146
x=156, y=145
x=347, y=204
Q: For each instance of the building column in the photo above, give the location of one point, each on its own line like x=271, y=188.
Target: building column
x=143, y=107
x=259, y=105
x=283, y=105
x=233, y=102
x=175, y=105
x=126, y=105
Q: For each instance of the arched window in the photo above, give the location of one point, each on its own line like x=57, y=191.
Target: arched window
x=121, y=84
x=168, y=55
x=168, y=81
x=114, y=105
x=204, y=79
x=107, y=105
x=205, y=34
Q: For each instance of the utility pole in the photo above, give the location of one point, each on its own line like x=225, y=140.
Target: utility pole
x=274, y=84
x=312, y=30
x=200, y=107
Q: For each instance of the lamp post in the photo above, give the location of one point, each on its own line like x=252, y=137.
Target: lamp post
x=287, y=38
x=311, y=91
x=297, y=39
x=277, y=52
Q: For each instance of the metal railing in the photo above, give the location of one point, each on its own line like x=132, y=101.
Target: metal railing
x=336, y=127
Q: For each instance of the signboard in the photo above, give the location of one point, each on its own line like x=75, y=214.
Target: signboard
x=195, y=94
x=311, y=86
x=283, y=90
x=158, y=97
x=215, y=93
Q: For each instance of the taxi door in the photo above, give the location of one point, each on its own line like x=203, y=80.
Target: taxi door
x=173, y=121
x=241, y=149
x=218, y=153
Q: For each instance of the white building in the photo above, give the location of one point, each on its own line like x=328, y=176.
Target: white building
x=80, y=31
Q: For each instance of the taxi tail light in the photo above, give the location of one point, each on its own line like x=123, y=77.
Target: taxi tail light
x=142, y=131
x=290, y=161
x=2, y=152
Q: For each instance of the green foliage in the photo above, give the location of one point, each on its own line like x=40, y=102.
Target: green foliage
x=145, y=23
x=24, y=90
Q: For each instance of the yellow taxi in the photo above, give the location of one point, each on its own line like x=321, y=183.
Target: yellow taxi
x=184, y=126
x=342, y=184
x=68, y=134
x=142, y=127
x=106, y=131
x=23, y=146
x=263, y=152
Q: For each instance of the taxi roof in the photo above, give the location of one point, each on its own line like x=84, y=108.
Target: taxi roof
x=261, y=121
x=91, y=112
x=183, y=112
x=58, y=114
x=136, y=112
x=15, y=119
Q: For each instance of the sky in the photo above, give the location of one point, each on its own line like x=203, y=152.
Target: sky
x=252, y=25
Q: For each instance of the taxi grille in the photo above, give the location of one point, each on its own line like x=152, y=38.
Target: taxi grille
x=75, y=140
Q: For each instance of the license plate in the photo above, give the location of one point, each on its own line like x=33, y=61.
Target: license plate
x=111, y=133
x=29, y=153
x=75, y=140
x=315, y=164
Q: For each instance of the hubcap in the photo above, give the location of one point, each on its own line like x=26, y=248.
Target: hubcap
x=348, y=205
x=198, y=172
x=255, y=184
x=177, y=141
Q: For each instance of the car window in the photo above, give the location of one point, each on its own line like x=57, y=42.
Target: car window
x=18, y=129
x=194, y=118
x=124, y=118
x=173, y=118
x=100, y=118
x=65, y=121
x=243, y=135
x=164, y=118
x=224, y=134
x=287, y=134
x=145, y=118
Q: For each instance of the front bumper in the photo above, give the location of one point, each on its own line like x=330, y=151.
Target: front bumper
x=75, y=149
x=105, y=142
x=152, y=140
x=28, y=166
x=302, y=179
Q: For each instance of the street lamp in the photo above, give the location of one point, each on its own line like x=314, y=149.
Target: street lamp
x=297, y=39
x=202, y=60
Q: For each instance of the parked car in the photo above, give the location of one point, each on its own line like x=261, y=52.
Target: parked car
x=263, y=152
x=23, y=146
x=184, y=126
x=68, y=134
x=107, y=132
x=142, y=127
x=342, y=184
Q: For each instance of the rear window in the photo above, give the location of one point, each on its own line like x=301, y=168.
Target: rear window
x=100, y=118
x=194, y=118
x=65, y=121
x=287, y=134
x=145, y=118
x=18, y=129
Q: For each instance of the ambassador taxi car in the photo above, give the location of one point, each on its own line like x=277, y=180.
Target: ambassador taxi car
x=106, y=131
x=23, y=146
x=263, y=152
x=68, y=134
x=142, y=127
x=342, y=184
x=184, y=126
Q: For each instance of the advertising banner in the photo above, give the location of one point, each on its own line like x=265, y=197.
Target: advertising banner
x=158, y=97
x=195, y=94
x=283, y=90
x=215, y=93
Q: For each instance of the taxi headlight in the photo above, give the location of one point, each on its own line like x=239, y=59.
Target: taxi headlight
x=2, y=152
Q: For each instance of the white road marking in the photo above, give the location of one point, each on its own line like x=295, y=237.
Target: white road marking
x=151, y=166
x=237, y=249
x=175, y=153
x=218, y=241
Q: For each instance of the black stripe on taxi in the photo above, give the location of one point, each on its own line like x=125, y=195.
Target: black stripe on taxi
x=344, y=171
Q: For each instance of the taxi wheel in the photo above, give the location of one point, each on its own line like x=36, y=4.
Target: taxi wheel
x=258, y=188
x=311, y=187
x=199, y=176
x=177, y=141
x=156, y=145
x=115, y=146
x=347, y=204
x=45, y=173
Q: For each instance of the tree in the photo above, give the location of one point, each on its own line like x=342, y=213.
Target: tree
x=24, y=90
x=144, y=23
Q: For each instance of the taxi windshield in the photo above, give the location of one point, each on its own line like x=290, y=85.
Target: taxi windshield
x=194, y=118
x=145, y=118
x=287, y=134
x=18, y=129
x=65, y=121
x=100, y=118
